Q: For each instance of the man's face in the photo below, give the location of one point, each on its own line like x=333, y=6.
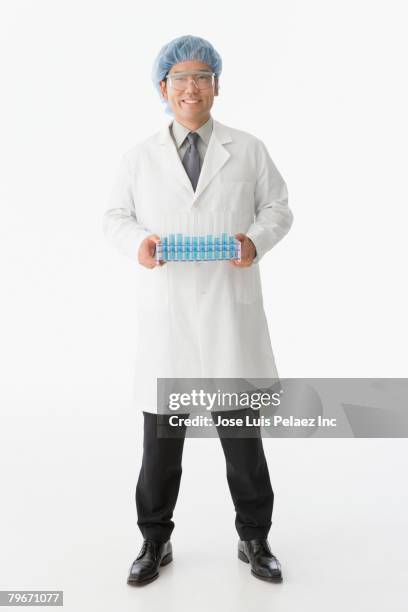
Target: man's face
x=190, y=104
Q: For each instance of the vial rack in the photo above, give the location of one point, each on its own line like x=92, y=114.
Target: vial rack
x=187, y=247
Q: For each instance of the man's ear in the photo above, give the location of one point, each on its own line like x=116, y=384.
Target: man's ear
x=216, y=86
x=163, y=89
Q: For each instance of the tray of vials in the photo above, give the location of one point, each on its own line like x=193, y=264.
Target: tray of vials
x=187, y=247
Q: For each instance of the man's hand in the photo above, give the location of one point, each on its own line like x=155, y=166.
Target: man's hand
x=147, y=252
x=248, y=252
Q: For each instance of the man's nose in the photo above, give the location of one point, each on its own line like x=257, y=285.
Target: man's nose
x=191, y=86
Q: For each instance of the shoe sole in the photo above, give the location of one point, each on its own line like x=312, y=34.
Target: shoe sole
x=242, y=556
x=165, y=561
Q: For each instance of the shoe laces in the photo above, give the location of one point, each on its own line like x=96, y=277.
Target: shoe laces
x=148, y=544
x=262, y=546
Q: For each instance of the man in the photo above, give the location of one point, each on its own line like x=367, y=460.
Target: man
x=198, y=319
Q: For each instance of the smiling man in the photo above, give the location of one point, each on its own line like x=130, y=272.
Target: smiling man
x=190, y=88
x=199, y=319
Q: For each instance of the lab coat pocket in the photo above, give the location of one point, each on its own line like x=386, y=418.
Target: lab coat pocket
x=247, y=284
x=152, y=289
x=238, y=196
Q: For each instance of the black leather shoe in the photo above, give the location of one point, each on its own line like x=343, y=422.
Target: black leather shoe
x=264, y=564
x=145, y=568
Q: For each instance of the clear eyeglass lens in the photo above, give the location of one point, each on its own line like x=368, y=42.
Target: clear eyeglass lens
x=203, y=81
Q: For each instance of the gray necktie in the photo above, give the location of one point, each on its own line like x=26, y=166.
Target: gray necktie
x=191, y=159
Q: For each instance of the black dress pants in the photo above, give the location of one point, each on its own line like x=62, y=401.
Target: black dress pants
x=159, y=481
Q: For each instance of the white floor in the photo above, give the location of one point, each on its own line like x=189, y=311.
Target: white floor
x=69, y=519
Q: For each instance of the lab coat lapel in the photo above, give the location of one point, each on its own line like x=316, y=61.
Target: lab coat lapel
x=172, y=160
x=215, y=157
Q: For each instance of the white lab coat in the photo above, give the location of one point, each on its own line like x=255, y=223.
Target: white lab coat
x=199, y=319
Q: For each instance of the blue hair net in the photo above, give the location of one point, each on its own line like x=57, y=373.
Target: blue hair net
x=184, y=49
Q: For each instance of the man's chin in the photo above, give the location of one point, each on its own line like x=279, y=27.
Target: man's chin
x=189, y=114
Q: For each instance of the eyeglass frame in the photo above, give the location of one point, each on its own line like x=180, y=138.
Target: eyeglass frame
x=189, y=73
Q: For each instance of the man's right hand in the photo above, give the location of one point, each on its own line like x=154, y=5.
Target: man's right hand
x=147, y=252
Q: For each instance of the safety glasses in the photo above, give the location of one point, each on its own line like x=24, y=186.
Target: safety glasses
x=201, y=79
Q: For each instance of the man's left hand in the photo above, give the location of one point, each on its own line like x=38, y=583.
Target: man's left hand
x=248, y=252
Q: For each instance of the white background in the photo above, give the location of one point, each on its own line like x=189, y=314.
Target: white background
x=323, y=84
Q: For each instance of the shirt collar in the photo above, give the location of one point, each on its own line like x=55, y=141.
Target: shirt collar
x=180, y=132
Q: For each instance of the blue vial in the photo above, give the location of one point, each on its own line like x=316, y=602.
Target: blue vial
x=224, y=246
x=210, y=246
x=171, y=247
x=231, y=254
x=187, y=248
x=202, y=247
x=165, y=248
x=179, y=245
x=195, y=248
x=218, y=252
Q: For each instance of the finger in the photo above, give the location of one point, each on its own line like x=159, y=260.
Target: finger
x=154, y=238
x=149, y=262
x=245, y=262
